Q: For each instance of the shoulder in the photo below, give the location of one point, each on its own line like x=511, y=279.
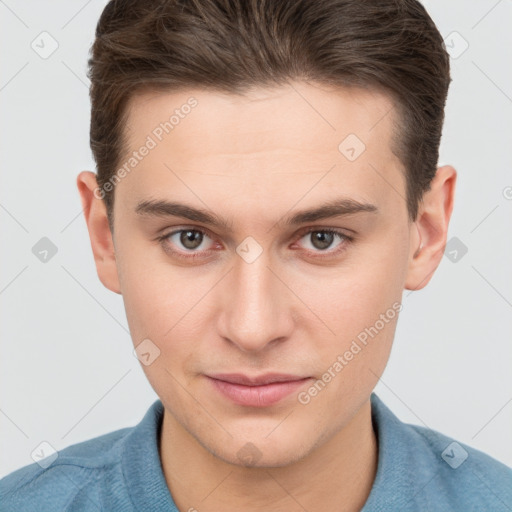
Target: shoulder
x=421, y=468
x=73, y=476
x=467, y=478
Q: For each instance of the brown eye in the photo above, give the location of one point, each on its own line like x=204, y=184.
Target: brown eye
x=191, y=238
x=324, y=243
x=321, y=239
x=186, y=242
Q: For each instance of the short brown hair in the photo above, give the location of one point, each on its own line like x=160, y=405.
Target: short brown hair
x=233, y=45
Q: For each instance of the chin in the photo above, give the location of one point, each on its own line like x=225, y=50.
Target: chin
x=260, y=454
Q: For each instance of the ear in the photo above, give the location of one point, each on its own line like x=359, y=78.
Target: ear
x=102, y=244
x=429, y=231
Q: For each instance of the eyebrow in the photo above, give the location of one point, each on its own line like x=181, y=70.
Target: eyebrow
x=334, y=208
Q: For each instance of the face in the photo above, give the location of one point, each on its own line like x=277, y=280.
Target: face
x=266, y=237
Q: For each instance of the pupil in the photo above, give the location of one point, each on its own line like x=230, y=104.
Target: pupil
x=324, y=239
x=190, y=239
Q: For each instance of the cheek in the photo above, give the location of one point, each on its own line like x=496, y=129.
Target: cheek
x=351, y=362
x=151, y=288
x=157, y=309
x=164, y=304
x=148, y=306
x=356, y=307
x=352, y=296
x=156, y=291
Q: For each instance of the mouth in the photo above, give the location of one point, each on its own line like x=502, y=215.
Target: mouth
x=258, y=391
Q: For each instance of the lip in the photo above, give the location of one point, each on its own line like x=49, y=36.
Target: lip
x=257, y=391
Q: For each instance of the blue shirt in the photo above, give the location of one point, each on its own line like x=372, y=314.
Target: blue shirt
x=418, y=469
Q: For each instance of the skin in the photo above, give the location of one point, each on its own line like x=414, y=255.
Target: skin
x=254, y=160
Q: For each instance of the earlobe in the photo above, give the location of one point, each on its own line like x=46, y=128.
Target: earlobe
x=102, y=244
x=432, y=228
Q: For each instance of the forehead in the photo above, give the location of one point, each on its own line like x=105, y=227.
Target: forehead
x=262, y=119
x=280, y=138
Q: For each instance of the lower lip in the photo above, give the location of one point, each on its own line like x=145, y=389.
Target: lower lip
x=257, y=396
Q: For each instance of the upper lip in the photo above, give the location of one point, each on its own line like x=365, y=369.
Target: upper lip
x=257, y=380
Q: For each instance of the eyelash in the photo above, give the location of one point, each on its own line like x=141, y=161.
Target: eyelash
x=346, y=240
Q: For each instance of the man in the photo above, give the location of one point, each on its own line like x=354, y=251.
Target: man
x=267, y=187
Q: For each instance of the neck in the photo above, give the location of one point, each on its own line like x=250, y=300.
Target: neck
x=337, y=475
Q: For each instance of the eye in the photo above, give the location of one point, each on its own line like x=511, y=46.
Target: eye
x=321, y=239
x=187, y=240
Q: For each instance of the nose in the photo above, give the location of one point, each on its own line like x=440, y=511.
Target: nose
x=256, y=307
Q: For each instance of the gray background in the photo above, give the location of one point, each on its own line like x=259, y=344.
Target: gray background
x=67, y=372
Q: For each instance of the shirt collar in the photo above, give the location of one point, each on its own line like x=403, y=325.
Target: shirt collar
x=398, y=473
x=141, y=464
